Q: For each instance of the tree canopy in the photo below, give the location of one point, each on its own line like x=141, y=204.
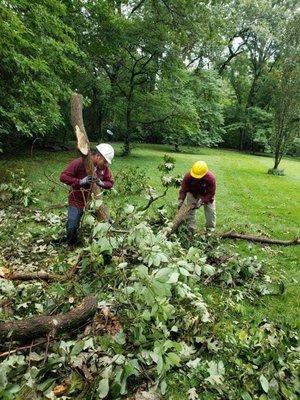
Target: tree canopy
x=170, y=71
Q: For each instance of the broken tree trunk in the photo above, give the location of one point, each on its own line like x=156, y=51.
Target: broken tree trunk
x=83, y=146
x=42, y=325
x=259, y=239
x=180, y=217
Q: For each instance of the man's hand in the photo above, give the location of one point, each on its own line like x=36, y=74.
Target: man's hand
x=110, y=221
x=87, y=180
x=198, y=203
x=100, y=183
x=179, y=204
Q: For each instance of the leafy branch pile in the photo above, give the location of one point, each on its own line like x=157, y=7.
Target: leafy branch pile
x=17, y=190
x=156, y=324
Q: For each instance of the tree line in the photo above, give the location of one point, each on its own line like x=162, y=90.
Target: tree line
x=180, y=72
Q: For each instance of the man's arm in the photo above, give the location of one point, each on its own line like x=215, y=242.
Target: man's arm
x=68, y=175
x=183, y=191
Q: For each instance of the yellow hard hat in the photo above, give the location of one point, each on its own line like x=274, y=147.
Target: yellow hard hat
x=199, y=169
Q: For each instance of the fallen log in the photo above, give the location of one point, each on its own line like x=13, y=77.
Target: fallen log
x=180, y=217
x=83, y=145
x=259, y=239
x=184, y=210
x=42, y=325
x=29, y=276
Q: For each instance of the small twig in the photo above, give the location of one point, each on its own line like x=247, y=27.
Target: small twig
x=153, y=199
x=30, y=346
x=31, y=149
x=50, y=179
x=76, y=266
x=47, y=346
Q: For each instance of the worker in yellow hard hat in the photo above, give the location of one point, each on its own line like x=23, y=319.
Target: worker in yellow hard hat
x=198, y=187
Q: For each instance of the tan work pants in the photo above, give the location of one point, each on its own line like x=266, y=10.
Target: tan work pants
x=209, y=212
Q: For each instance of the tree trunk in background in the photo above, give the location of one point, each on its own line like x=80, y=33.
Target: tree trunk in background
x=242, y=139
x=277, y=159
x=250, y=103
x=127, y=138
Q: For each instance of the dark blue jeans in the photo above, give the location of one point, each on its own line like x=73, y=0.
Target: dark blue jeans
x=73, y=223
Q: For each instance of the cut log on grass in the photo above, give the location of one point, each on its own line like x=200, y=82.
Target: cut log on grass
x=42, y=325
x=259, y=239
x=23, y=276
x=83, y=146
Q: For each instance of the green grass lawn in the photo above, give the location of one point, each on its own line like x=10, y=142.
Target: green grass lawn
x=248, y=200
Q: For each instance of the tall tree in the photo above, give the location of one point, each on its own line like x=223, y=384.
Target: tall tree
x=285, y=93
x=38, y=55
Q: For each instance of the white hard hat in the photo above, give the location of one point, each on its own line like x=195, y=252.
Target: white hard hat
x=107, y=151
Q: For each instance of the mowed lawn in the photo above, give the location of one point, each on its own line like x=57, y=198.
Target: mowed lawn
x=248, y=200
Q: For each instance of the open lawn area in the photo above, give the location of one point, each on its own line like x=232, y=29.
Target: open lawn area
x=248, y=201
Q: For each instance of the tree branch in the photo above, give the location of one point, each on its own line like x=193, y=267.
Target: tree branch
x=259, y=239
x=137, y=6
x=153, y=199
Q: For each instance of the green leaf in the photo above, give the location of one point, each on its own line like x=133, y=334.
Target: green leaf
x=183, y=271
x=146, y=315
x=173, y=359
x=160, y=365
x=78, y=347
x=246, y=396
x=142, y=271
x=216, y=372
x=163, y=386
x=120, y=337
x=173, y=277
x=264, y=383
x=129, y=209
x=103, y=388
x=208, y=269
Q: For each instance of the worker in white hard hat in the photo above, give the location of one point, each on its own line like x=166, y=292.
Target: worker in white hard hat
x=76, y=177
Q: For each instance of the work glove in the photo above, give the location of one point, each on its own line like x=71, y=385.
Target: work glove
x=87, y=180
x=110, y=221
x=100, y=183
x=198, y=203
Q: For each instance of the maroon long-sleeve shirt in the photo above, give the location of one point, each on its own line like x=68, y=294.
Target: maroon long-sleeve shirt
x=78, y=196
x=205, y=188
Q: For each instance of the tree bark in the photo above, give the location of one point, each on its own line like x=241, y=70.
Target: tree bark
x=83, y=146
x=179, y=218
x=23, y=276
x=42, y=325
x=126, y=150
